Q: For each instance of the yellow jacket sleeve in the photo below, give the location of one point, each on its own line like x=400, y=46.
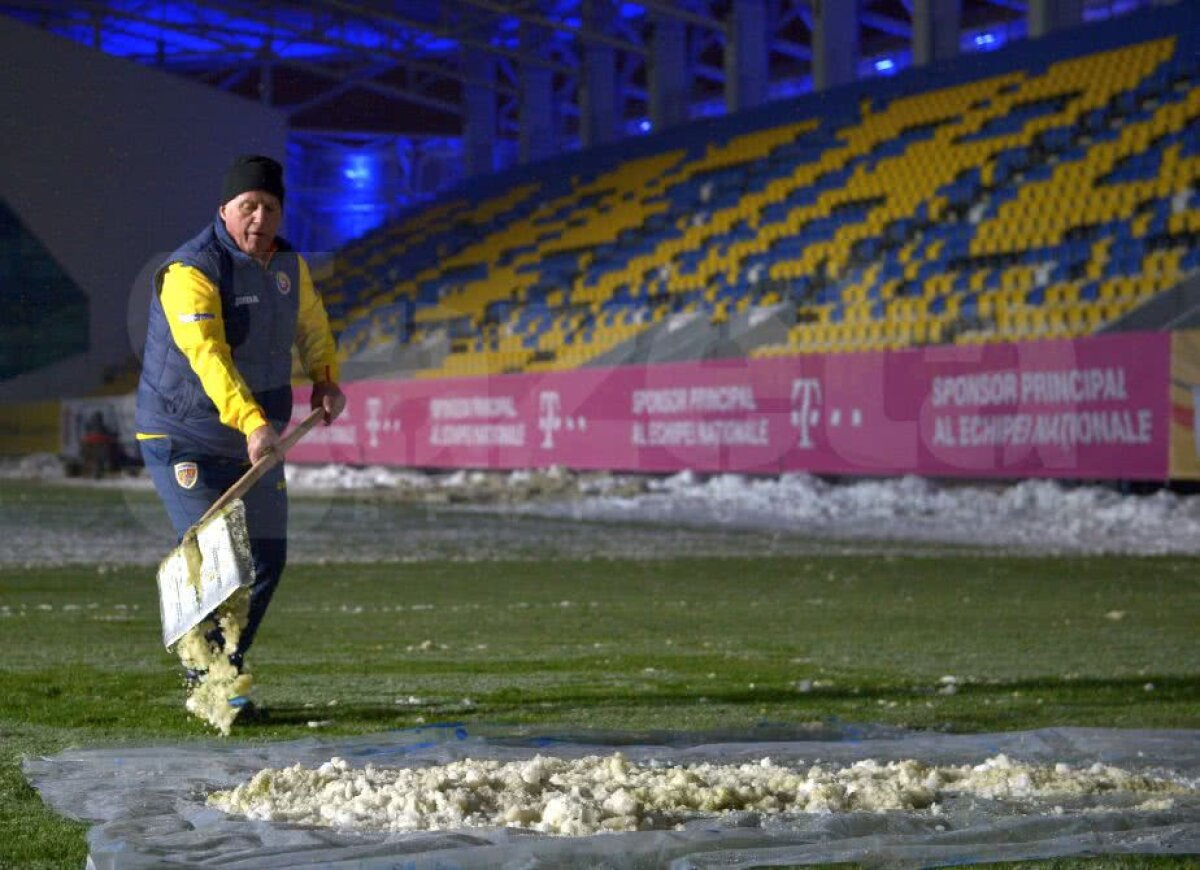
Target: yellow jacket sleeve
x=314, y=339
x=192, y=304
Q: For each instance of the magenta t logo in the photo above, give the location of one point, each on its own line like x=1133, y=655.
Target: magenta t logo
x=374, y=423
x=806, y=411
x=549, y=417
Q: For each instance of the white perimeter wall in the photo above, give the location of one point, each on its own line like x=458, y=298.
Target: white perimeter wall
x=111, y=165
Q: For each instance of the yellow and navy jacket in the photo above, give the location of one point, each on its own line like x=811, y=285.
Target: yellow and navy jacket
x=218, y=357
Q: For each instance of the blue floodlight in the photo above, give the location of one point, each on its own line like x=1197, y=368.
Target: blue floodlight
x=434, y=44
x=1111, y=10
x=359, y=170
x=994, y=37
x=885, y=65
x=645, y=126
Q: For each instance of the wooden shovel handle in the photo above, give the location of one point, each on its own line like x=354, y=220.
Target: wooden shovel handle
x=258, y=469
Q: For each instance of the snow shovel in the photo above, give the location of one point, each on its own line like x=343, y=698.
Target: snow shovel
x=213, y=560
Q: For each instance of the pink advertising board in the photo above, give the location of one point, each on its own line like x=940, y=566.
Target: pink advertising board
x=1089, y=408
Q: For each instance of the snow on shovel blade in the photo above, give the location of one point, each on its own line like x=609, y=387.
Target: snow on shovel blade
x=210, y=564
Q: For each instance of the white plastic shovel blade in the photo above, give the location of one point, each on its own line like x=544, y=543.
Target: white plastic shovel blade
x=194, y=581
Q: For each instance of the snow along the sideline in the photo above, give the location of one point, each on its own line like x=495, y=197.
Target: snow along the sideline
x=583, y=796
x=1034, y=515
x=1038, y=516
x=1042, y=516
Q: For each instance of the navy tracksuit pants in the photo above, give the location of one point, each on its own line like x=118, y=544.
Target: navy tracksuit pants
x=187, y=496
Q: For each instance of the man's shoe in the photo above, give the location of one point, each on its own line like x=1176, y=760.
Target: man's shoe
x=248, y=711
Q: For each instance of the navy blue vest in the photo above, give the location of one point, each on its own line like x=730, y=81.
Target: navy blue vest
x=259, y=306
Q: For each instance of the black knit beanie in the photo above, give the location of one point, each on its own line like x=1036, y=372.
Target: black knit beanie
x=253, y=172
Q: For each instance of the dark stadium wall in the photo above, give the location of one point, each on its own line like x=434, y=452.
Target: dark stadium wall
x=110, y=165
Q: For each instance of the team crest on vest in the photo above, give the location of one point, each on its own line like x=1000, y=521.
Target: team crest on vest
x=186, y=474
x=283, y=282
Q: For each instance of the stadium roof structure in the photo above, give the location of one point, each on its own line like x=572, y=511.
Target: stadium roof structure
x=376, y=92
x=366, y=68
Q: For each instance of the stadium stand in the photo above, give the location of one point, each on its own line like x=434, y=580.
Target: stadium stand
x=1043, y=191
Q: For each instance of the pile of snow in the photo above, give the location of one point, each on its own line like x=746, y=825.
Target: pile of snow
x=462, y=485
x=52, y=469
x=325, y=478
x=1034, y=515
x=344, y=477
x=583, y=796
x=35, y=466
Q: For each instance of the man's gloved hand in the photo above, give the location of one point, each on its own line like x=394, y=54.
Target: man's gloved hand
x=261, y=441
x=329, y=397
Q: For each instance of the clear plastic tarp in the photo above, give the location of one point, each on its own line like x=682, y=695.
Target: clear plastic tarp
x=147, y=805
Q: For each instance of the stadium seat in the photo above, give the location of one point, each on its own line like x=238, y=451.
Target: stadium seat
x=1041, y=199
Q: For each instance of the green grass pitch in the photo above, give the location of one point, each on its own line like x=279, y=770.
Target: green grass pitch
x=673, y=642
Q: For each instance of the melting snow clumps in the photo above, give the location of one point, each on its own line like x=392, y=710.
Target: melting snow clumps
x=209, y=700
x=584, y=796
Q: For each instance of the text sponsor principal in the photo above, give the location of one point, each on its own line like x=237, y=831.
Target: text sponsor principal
x=679, y=417
x=1053, y=419
x=475, y=421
